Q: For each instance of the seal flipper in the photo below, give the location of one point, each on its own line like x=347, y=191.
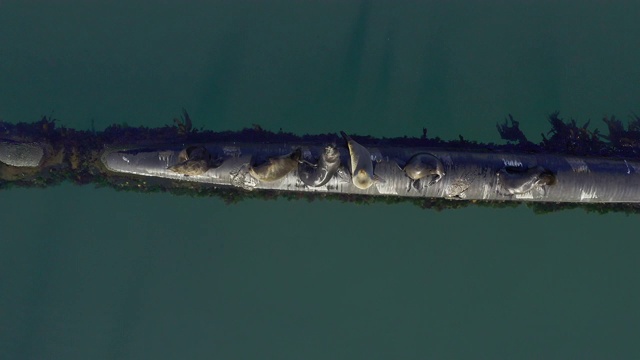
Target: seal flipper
x=343, y=174
x=416, y=185
x=434, y=179
x=309, y=163
x=377, y=179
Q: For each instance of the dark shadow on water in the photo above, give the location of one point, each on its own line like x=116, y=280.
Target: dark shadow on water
x=352, y=66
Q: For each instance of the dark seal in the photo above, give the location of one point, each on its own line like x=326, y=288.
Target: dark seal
x=320, y=174
x=195, y=160
x=516, y=181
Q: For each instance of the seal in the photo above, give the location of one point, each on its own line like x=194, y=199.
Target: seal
x=516, y=181
x=320, y=174
x=423, y=165
x=276, y=168
x=361, y=164
x=195, y=160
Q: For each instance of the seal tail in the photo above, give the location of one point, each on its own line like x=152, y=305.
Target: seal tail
x=345, y=136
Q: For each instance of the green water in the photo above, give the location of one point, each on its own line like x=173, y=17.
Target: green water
x=97, y=274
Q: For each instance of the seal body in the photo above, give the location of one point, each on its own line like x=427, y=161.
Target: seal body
x=516, y=181
x=195, y=160
x=361, y=164
x=276, y=168
x=423, y=166
x=325, y=169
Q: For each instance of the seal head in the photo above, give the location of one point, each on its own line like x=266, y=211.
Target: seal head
x=276, y=168
x=320, y=174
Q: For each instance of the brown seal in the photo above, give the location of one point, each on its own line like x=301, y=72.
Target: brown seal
x=195, y=160
x=277, y=167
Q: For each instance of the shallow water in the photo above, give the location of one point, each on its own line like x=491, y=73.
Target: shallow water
x=98, y=274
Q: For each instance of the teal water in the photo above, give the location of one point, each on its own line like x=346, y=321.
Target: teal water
x=97, y=274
